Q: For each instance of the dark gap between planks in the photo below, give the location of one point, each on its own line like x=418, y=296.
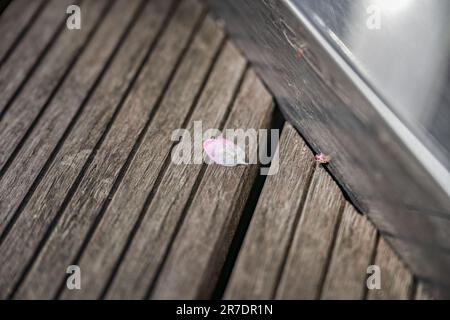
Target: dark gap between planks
x=277, y=122
x=49, y=161
x=60, y=144
x=105, y=133
x=160, y=176
x=195, y=187
x=29, y=74
x=33, y=68
x=3, y=7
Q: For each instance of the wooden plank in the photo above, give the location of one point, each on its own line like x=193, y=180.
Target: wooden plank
x=14, y=21
x=147, y=250
x=38, y=89
x=422, y=292
x=352, y=254
x=396, y=279
x=32, y=157
x=48, y=271
x=196, y=257
x=16, y=68
x=309, y=252
x=106, y=245
x=438, y=231
x=260, y=259
x=49, y=195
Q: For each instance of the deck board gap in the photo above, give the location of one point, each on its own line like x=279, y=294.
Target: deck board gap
x=414, y=288
x=4, y=5
x=35, y=65
x=49, y=161
x=292, y=235
x=143, y=110
x=330, y=251
x=22, y=33
x=154, y=280
x=247, y=214
x=65, y=135
x=141, y=135
x=194, y=189
x=45, y=84
x=234, y=97
x=147, y=55
x=35, y=121
x=160, y=175
x=105, y=133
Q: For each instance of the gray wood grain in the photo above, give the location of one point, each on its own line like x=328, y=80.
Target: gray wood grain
x=110, y=237
x=396, y=279
x=64, y=242
x=14, y=20
x=37, y=90
x=311, y=247
x=146, y=252
x=199, y=249
x=260, y=259
x=352, y=254
x=14, y=71
x=43, y=139
x=49, y=195
x=189, y=212
x=35, y=152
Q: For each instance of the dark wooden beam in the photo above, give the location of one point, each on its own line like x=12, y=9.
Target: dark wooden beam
x=323, y=98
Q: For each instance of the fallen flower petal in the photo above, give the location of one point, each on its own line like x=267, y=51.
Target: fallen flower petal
x=322, y=158
x=224, y=152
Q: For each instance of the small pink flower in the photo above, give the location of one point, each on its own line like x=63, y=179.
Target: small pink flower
x=224, y=152
x=321, y=158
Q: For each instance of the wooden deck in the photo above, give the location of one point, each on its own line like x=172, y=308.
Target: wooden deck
x=86, y=177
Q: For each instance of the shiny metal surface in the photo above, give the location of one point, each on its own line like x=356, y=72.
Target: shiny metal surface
x=401, y=48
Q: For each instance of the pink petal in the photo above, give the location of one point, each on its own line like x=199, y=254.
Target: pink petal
x=209, y=149
x=224, y=152
x=322, y=158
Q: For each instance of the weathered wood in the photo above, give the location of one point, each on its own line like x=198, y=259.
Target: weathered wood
x=110, y=199
x=422, y=292
x=14, y=21
x=57, y=116
x=110, y=237
x=14, y=71
x=435, y=263
x=45, y=136
x=38, y=89
x=48, y=271
x=196, y=257
x=49, y=195
x=396, y=279
x=260, y=260
x=319, y=97
x=310, y=250
x=147, y=250
x=352, y=254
